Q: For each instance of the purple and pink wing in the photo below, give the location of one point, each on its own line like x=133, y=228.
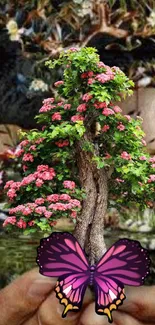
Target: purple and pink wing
x=125, y=263
x=61, y=256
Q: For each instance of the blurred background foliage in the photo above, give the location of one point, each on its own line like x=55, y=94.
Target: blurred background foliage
x=31, y=31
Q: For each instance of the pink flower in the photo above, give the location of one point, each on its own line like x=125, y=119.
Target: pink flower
x=60, y=103
x=53, y=223
x=24, y=143
x=25, y=168
x=82, y=108
x=119, y=180
x=105, y=128
x=21, y=224
x=121, y=127
x=33, y=147
x=47, y=214
x=58, y=206
x=62, y=143
x=42, y=168
x=11, y=194
x=65, y=197
x=58, y=83
x=90, y=74
x=107, y=112
x=86, y=97
x=53, y=198
x=9, y=220
x=26, y=211
x=69, y=184
x=153, y=166
x=143, y=142
x=39, y=201
x=125, y=155
x=104, y=77
x=19, y=153
x=128, y=117
x=117, y=109
x=40, y=210
x=76, y=118
x=73, y=49
x=84, y=75
x=46, y=108
x=43, y=128
x=67, y=106
x=75, y=203
x=142, y=158
x=40, y=140
x=90, y=81
x=31, y=223
x=39, y=182
x=101, y=64
x=56, y=117
x=28, y=157
x=107, y=156
x=48, y=101
x=8, y=184
x=73, y=214
x=152, y=159
x=151, y=179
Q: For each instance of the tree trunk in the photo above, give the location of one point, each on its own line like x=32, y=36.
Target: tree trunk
x=90, y=224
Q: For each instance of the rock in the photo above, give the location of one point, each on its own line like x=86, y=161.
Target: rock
x=152, y=244
x=145, y=228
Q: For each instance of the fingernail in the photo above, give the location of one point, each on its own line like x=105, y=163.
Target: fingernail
x=41, y=286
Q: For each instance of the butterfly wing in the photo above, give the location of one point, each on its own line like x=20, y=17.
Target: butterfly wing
x=126, y=262
x=60, y=255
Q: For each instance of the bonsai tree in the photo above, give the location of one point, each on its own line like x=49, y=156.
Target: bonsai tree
x=87, y=158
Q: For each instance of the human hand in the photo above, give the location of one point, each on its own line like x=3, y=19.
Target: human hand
x=137, y=309
x=31, y=300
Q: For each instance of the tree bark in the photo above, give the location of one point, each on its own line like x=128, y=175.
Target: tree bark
x=90, y=224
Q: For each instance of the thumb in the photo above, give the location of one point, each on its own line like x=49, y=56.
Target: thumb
x=22, y=297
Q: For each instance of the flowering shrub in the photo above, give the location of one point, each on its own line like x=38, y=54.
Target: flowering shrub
x=52, y=186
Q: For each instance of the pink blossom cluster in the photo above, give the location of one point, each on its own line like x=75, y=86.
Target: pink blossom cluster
x=105, y=128
x=81, y=108
x=151, y=178
x=58, y=83
x=86, y=97
x=43, y=173
x=101, y=64
x=152, y=159
x=57, y=197
x=56, y=116
x=125, y=155
x=48, y=101
x=107, y=156
x=88, y=74
x=105, y=77
x=67, y=106
x=119, y=180
x=121, y=127
x=46, y=108
x=43, y=211
x=69, y=184
x=77, y=117
x=28, y=157
x=128, y=117
x=62, y=143
x=98, y=105
x=73, y=203
x=24, y=143
x=117, y=109
x=108, y=111
x=142, y=158
x=9, y=220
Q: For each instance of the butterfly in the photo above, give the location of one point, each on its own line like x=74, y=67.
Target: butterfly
x=125, y=263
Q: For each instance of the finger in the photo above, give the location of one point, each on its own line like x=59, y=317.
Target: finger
x=23, y=296
x=50, y=312
x=89, y=317
x=140, y=303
